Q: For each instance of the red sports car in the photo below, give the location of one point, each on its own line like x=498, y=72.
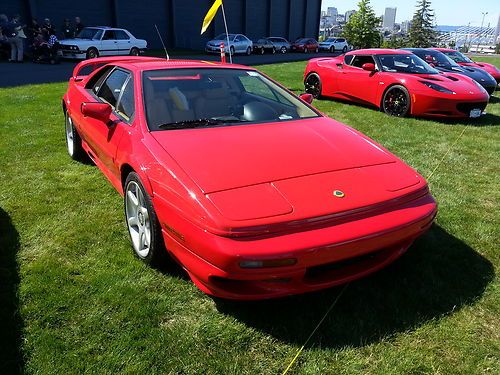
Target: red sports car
x=463, y=60
x=305, y=45
x=253, y=191
x=397, y=81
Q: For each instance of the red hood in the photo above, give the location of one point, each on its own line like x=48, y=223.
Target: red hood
x=490, y=68
x=235, y=156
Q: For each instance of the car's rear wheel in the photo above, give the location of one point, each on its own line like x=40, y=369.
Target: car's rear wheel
x=92, y=53
x=332, y=49
x=231, y=50
x=134, y=51
x=312, y=85
x=262, y=51
x=283, y=49
x=73, y=140
x=396, y=101
x=274, y=50
x=142, y=222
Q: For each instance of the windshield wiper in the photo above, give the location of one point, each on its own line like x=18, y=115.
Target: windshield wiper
x=191, y=124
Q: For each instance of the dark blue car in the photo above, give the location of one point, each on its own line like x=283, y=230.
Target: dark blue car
x=443, y=63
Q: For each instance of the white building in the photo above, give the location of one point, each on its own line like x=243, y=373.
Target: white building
x=389, y=18
x=405, y=27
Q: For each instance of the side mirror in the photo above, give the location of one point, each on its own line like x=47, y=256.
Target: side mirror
x=99, y=111
x=308, y=98
x=370, y=67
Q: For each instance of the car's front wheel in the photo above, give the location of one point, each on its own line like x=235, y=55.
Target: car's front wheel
x=134, y=51
x=332, y=49
x=142, y=222
x=312, y=85
x=344, y=50
x=73, y=140
x=231, y=50
x=249, y=51
x=396, y=101
x=92, y=53
x=283, y=49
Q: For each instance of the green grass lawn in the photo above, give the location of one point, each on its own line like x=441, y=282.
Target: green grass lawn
x=74, y=299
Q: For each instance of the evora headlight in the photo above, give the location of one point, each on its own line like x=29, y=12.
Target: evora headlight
x=437, y=87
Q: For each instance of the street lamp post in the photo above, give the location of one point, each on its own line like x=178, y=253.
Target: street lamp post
x=480, y=31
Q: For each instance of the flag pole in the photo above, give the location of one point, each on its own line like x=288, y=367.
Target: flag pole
x=227, y=34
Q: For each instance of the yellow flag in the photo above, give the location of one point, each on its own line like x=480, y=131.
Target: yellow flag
x=210, y=15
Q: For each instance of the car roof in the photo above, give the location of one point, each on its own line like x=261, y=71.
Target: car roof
x=444, y=49
x=157, y=63
x=103, y=28
x=378, y=51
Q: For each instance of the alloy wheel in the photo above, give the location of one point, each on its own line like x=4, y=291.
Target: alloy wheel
x=138, y=219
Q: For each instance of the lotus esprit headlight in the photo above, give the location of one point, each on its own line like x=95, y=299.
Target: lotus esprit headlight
x=437, y=87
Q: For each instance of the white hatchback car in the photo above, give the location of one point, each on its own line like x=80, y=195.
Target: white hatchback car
x=334, y=45
x=101, y=41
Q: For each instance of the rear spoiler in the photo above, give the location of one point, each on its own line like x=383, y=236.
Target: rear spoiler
x=93, y=64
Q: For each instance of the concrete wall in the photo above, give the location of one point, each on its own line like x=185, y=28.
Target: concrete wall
x=179, y=21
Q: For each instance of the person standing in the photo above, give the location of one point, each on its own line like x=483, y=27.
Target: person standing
x=19, y=27
x=78, y=26
x=67, y=30
x=11, y=30
x=48, y=29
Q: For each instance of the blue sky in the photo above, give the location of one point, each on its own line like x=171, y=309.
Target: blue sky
x=460, y=13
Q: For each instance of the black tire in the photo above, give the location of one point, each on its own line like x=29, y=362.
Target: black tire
x=332, y=49
x=396, y=101
x=231, y=50
x=156, y=253
x=262, y=51
x=283, y=49
x=313, y=85
x=92, y=53
x=249, y=51
x=306, y=50
x=316, y=50
x=73, y=140
x=344, y=50
x=274, y=50
x=134, y=51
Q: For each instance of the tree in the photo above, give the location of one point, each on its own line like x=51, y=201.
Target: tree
x=422, y=33
x=361, y=30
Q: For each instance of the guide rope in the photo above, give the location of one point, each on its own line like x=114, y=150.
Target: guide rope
x=315, y=329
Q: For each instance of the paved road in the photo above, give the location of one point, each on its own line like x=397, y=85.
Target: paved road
x=29, y=73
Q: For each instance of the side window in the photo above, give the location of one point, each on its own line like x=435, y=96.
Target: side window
x=111, y=88
x=109, y=35
x=96, y=81
x=121, y=35
x=239, y=38
x=340, y=40
x=125, y=105
x=348, y=59
x=358, y=61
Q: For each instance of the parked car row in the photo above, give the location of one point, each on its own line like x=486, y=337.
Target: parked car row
x=413, y=81
x=239, y=43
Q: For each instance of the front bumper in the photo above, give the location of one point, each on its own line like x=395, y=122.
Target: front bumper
x=452, y=106
x=326, y=256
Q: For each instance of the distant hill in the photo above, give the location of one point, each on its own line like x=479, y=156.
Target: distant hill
x=446, y=28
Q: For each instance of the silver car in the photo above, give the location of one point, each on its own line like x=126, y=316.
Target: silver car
x=282, y=45
x=238, y=43
x=334, y=45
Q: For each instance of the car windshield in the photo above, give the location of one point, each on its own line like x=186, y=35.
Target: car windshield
x=330, y=40
x=188, y=98
x=88, y=33
x=444, y=61
x=405, y=64
x=301, y=41
x=224, y=37
x=458, y=57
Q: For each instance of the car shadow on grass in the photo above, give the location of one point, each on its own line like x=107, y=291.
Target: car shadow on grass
x=11, y=325
x=439, y=275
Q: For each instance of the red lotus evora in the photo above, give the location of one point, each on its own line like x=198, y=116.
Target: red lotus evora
x=253, y=191
x=396, y=81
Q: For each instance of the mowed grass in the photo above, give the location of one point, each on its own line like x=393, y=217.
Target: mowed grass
x=74, y=299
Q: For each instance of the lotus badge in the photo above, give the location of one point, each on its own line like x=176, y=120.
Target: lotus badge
x=338, y=194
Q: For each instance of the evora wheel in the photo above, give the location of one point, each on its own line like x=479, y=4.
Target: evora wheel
x=283, y=49
x=134, y=51
x=142, y=223
x=92, y=53
x=312, y=85
x=396, y=101
x=73, y=140
x=332, y=49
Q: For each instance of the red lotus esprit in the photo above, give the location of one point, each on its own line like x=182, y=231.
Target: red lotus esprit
x=397, y=82
x=463, y=60
x=252, y=190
